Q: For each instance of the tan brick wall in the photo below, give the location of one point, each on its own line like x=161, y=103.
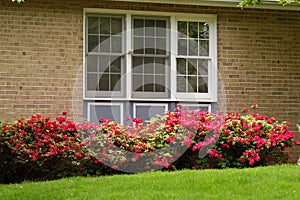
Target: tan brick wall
x=41, y=57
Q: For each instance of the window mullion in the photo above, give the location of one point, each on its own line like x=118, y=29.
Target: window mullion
x=128, y=55
x=173, y=53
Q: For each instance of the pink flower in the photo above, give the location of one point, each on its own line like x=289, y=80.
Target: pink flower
x=101, y=119
x=251, y=161
x=297, y=142
x=127, y=117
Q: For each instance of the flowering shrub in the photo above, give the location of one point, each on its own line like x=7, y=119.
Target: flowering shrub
x=250, y=140
x=191, y=139
x=38, y=148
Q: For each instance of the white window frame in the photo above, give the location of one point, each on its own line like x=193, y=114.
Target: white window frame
x=150, y=105
x=105, y=104
x=120, y=93
x=211, y=96
x=155, y=95
x=212, y=61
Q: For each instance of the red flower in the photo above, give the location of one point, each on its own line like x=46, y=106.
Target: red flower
x=245, y=110
x=254, y=106
x=78, y=155
x=64, y=112
x=196, y=167
x=170, y=139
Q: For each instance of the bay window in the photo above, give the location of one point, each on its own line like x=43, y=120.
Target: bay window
x=140, y=59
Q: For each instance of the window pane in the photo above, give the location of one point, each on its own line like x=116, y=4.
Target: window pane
x=193, y=29
x=192, y=67
x=138, y=25
x=161, y=28
x=115, y=65
x=148, y=83
x=192, y=86
x=181, y=84
x=160, y=66
x=137, y=83
x=149, y=24
x=92, y=63
x=202, y=67
x=160, y=83
x=92, y=81
x=182, y=47
x=161, y=46
x=93, y=26
x=137, y=64
x=181, y=66
x=93, y=43
x=116, y=26
x=112, y=112
x=193, y=47
x=115, y=82
x=104, y=44
x=203, y=31
x=148, y=60
x=149, y=66
x=202, y=85
x=182, y=29
x=103, y=63
x=203, y=48
x=105, y=25
x=116, y=44
x=149, y=45
x=138, y=45
x=104, y=82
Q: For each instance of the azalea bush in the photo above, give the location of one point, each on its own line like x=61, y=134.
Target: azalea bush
x=190, y=139
x=249, y=140
x=38, y=148
x=41, y=149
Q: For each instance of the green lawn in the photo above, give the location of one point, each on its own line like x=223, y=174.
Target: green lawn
x=274, y=182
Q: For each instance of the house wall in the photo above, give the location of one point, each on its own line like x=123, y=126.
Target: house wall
x=41, y=53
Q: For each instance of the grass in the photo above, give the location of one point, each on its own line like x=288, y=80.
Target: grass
x=273, y=182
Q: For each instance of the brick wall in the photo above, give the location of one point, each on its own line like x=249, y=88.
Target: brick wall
x=41, y=57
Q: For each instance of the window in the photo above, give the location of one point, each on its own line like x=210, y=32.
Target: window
x=112, y=111
x=146, y=110
x=135, y=57
x=104, y=57
x=150, y=56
